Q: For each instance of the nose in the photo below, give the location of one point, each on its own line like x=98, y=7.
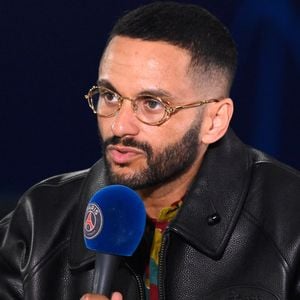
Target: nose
x=124, y=122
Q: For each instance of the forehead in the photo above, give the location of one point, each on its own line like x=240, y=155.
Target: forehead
x=138, y=64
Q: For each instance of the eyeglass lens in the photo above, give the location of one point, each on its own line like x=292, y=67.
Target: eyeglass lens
x=147, y=108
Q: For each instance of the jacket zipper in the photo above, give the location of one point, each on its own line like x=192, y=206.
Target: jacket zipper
x=139, y=281
x=161, y=265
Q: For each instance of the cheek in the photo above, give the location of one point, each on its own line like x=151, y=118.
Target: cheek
x=104, y=126
x=177, y=129
x=160, y=138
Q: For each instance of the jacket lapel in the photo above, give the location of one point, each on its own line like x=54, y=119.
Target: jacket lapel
x=219, y=191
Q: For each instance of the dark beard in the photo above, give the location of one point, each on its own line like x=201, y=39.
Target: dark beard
x=165, y=166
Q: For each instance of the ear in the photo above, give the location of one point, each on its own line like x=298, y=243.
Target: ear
x=216, y=120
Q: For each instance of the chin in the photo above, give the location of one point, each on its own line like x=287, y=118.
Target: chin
x=122, y=171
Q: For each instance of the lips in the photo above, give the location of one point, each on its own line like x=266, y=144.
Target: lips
x=122, y=154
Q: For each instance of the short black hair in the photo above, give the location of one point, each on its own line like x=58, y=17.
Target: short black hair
x=187, y=26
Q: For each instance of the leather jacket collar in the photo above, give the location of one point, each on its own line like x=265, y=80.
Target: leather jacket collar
x=219, y=190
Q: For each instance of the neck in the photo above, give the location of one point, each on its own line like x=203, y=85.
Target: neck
x=164, y=195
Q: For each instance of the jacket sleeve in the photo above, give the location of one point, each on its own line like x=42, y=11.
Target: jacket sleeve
x=15, y=231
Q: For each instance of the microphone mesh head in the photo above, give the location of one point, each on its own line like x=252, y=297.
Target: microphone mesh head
x=114, y=221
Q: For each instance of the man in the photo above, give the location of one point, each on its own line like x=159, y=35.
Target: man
x=223, y=218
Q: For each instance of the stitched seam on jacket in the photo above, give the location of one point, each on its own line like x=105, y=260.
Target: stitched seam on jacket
x=62, y=181
x=279, y=165
x=268, y=236
x=45, y=183
x=44, y=260
x=5, y=220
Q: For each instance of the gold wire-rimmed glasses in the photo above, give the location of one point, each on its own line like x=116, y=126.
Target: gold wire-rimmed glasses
x=149, y=109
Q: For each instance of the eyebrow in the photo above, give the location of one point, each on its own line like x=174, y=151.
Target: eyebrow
x=153, y=92
x=105, y=83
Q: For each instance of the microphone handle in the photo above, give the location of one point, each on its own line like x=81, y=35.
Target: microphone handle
x=105, y=269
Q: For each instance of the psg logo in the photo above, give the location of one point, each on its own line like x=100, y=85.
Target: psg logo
x=93, y=221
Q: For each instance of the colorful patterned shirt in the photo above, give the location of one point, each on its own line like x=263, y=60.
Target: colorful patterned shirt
x=166, y=215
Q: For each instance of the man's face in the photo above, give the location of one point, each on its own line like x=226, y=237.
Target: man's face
x=139, y=155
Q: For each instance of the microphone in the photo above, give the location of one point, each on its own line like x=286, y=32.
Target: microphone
x=114, y=224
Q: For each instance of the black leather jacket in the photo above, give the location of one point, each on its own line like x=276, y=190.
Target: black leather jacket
x=253, y=252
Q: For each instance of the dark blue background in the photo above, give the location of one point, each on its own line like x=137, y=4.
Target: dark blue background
x=49, y=59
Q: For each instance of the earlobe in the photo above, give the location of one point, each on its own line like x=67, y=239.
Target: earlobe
x=219, y=116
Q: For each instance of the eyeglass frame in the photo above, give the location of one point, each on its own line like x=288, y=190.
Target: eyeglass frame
x=169, y=109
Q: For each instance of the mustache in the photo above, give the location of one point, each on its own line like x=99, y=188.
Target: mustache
x=129, y=142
